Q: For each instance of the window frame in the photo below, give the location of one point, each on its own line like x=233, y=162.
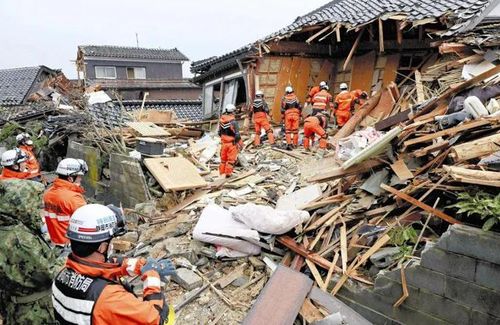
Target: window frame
x=135, y=74
x=105, y=69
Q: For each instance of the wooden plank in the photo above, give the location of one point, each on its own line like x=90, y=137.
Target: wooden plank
x=381, y=242
x=174, y=174
x=401, y=170
x=321, y=221
x=283, y=77
x=229, y=278
x=475, y=149
x=343, y=247
x=330, y=272
x=301, y=84
x=325, y=71
x=390, y=69
x=451, y=131
x=338, y=172
x=420, y=87
x=302, y=251
x=392, y=120
x=281, y=299
x=294, y=72
x=381, y=35
x=381, y=110
x=419, y=204
x=471, y=176
x=353, y=50
x=406, y=294
x=148, y=129
x=362, y=69
x=315, y=273
x=309, y=312
x=432, y=148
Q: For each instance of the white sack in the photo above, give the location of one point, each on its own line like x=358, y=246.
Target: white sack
x=299, y=198
x=268, y=220
x=217, y=220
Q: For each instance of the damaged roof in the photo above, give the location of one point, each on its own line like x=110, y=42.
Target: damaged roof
x=16, y=83
x=190, y=110
x=123, y=52
x=458, y=15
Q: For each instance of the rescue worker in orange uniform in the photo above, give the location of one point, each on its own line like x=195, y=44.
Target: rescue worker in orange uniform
x=231, y=141
x=291, y=110
x=25, y=143
x=260, y=112
x=316, y=125
x=359, y=95
x=14, y=165
x=63, y=198
x=314, y=90
x=89, y=289
x=344, y=104
x=322, y=100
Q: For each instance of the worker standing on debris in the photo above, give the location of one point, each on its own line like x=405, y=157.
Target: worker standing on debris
x=316, y=125
x=25, y=144
x=98, y=296
x=14, y=165
x=322, y=100
x=28, y=262
x=260, y=112
x=291, y=110
x=231, y=141
x=314, y=90
x=343, y=105
x=63, y=198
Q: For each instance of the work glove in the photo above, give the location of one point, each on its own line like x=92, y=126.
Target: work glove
x=164, y=267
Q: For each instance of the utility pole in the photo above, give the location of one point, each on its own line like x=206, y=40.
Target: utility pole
x=137, y=39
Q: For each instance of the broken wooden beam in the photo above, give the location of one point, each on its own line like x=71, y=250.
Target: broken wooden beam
x=353, y=49
x=475, y=149
x=339, y=172
x=419, y=204
x=302, y=251
x=472, y=176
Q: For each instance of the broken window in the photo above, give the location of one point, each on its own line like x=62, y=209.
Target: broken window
x=136, y=73
x=105, y=72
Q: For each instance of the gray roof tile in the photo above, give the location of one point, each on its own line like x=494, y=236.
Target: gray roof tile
x=122, y=52
x=190, y=110
x=15, y=84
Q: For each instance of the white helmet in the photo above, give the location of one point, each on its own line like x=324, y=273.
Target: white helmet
x=343, y=86
x=71, y=167
x=230, y=108
x=24, y=138
x=13, y=157
x=322, y=84
x=259, y=93
x=96, y=223
x=289, y=89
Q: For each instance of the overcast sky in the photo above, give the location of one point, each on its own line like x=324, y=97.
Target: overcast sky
x=48, y=32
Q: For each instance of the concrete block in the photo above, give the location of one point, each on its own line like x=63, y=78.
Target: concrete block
x=472, y=242
x=488, y=275
x=187, y=279
x=451, y=264
x=421, y=277
x=483, y=319
x=425, y=302
x=478, y=298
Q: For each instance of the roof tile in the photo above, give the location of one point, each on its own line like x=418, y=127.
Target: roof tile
x=123, y=52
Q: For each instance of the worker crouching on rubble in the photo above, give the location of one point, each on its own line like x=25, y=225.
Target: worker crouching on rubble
x=231, y=140
x=14, y=165
x=260, y=113
x=316, y=125
x=88, y=289
x=290, y=109
x=63, y=198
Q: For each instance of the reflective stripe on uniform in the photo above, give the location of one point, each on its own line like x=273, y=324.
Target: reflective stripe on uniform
x=152, y=282
x=53, y=215
x=80, y=311
x=131, y=263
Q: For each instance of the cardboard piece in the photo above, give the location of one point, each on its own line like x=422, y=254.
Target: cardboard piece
x=148, y=129
x=174, y=174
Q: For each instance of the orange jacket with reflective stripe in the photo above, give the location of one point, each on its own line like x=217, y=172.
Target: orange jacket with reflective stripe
x=9, y=173
x=344, y=101
x=322, y=99
x=60, y=201
x=114, y=305
x=290, y=104
x=314, y=90
x=228, y=129
x=32, y=164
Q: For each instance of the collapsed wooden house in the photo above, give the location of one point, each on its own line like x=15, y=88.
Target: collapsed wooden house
x=366, y=44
